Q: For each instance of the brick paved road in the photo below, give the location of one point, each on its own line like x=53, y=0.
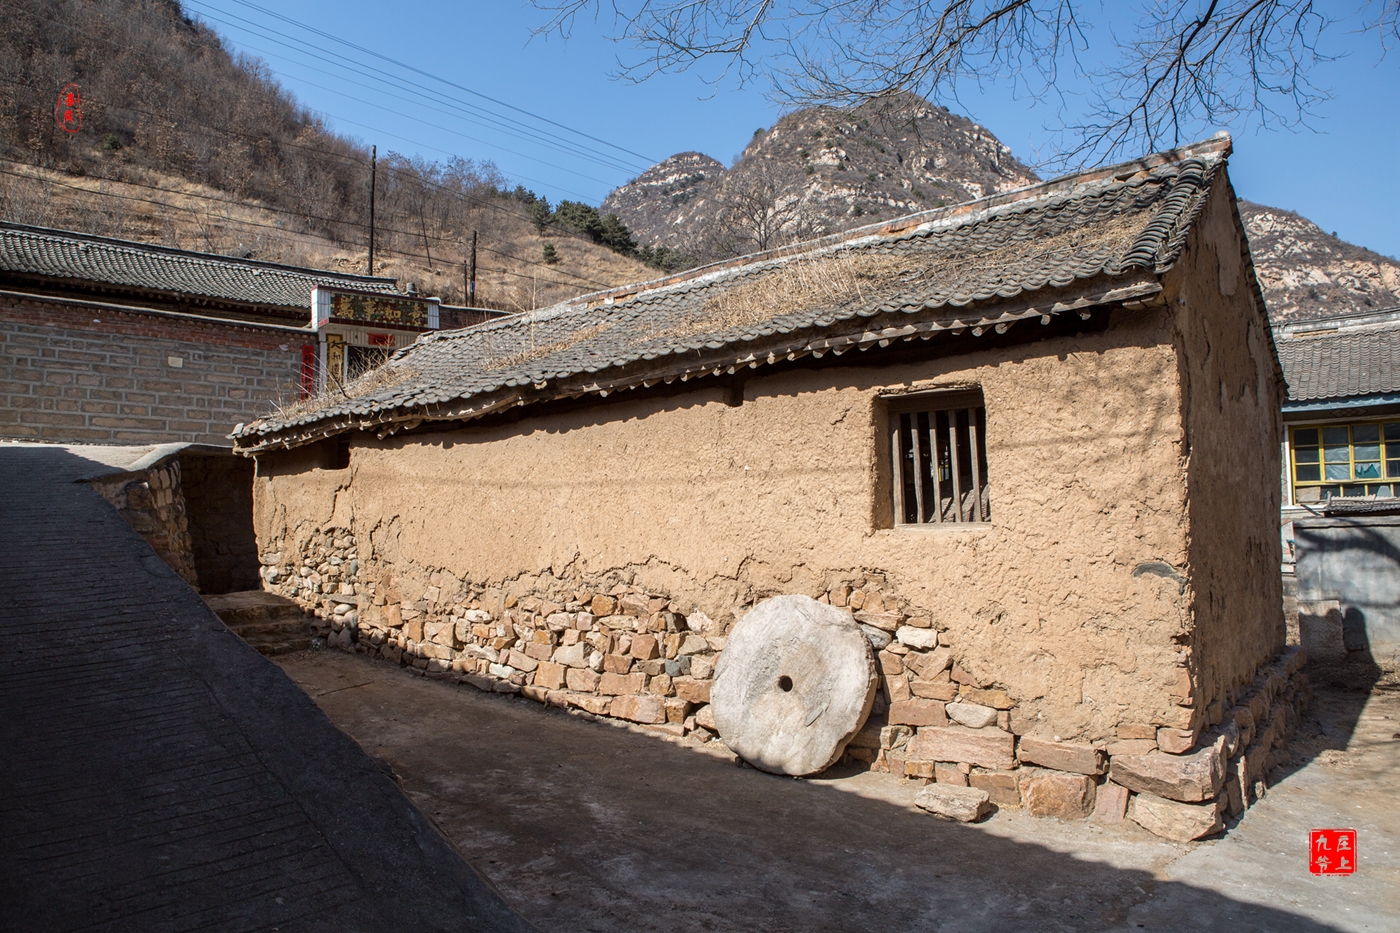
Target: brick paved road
x=156, y=774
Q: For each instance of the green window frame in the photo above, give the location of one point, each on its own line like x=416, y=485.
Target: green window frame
x=1349, y=459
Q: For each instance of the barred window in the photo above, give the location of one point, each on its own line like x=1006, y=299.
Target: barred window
x=938, y=450
x=1345, y=460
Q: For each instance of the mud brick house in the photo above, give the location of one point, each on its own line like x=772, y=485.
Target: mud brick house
x=1342, y=482
x=1031, y=442
x=113, y=341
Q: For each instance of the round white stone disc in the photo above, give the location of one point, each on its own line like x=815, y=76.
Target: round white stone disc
x=794, y=683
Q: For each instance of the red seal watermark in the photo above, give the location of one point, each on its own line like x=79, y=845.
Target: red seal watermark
x=68, y=111
x=1332, y=851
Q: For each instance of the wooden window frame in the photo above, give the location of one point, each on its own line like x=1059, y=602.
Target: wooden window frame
x=945, y=433
x=1353, y=485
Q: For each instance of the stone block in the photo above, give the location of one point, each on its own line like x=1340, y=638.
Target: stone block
x=928, y=665
x=581, y=680
x=644, y=709
x=441, y=633
x=661, y=685
x=1062, y=756
x=1057, y=793
x=1002, y=787
x=918, y=713
x=884, y=621
x=618, y=623
x=575, y=655
x=986, y=748
x=1137, y=730
x=617, y=663
x=612, y=684
x=676, y=709
x=891, y=665
x=995, y=698
x=924, y=639
x=972, y=715
x=1131, y=747
x=918, y=768
x=705, y=718
x=1187, y=778
x=1174, y=820
x=523, y=662
x=895, y=736
x=645, y=647
x=951, y=802
x=934, y=691
x=688, y=688
x=1110, y=803
x=550, y=675
x=539, y=651
x=897, y=688
x=948, y=772
x=633, y=604
x=587, y=702
x=1176, y=741
x=603, y=606
x=534, y=692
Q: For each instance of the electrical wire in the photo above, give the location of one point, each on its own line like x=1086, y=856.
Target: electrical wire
x=285, y=231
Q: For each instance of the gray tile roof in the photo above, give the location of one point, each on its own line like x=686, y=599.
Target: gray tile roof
x=102, y=261
x=1102, y=235
x=1342, y=364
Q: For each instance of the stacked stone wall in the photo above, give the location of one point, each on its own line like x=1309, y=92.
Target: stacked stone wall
x=609, y=647
x=85, y=371
x=152, y=502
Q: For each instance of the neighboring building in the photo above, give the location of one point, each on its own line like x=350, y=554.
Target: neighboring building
x=1032, y=441
x=113, y=341
x=1342, y=482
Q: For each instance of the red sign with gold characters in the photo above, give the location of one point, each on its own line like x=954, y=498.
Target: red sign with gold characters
x=1332, y=851
x=68, y=110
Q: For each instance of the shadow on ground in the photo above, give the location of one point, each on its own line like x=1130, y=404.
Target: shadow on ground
x=591, y=827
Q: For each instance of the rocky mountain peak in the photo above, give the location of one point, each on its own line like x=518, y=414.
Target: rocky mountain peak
x=817, y=171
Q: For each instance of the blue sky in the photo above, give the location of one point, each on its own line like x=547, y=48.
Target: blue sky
x=1337, y=174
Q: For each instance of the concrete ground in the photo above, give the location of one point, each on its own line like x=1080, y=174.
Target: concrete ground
x=158, y=774
x=588, y=826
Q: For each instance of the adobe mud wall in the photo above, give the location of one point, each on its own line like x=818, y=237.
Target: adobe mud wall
x=716, y=507
x=1232, y=402
x=86, y=371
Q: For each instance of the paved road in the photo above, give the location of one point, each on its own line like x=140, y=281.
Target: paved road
x=590, y=827
x=156, y=774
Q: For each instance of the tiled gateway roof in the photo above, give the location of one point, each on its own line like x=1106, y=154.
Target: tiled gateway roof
x=61, y=254
x=1084, y=240
x=1341, y=364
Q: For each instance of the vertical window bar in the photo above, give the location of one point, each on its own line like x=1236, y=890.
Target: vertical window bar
x=917, y=469
x=897, y=469
x=973, y=447
x=953, y=465
x=934, y=466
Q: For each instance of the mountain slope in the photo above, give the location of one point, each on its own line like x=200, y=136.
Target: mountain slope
x=1308, y=274
x=817, y=171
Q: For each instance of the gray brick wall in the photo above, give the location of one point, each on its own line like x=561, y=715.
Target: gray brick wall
x=83, y=371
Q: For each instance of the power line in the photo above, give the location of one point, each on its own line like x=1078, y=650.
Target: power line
x=283, y=230
x=418, y=178
x=646, y=159
x=569, y=148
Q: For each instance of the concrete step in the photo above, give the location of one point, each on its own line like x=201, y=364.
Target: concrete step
x=273, y=624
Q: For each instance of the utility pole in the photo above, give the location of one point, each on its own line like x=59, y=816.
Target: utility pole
x=471, y=278
x=373, y=165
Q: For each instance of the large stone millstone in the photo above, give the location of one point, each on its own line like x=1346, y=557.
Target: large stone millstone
x=795, y=682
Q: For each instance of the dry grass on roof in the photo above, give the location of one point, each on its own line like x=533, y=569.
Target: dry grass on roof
x=864, y=276
x=491, y=361
x=381, y=377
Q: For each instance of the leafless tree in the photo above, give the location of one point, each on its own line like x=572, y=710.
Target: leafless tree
x=761, y=206
x=1181, y=66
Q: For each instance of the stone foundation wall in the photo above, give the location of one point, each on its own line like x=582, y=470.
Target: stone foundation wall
x=610, y=647
x=153, y=504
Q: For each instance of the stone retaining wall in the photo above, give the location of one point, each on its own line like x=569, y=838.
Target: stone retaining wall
x=152, y=502
x=610, y=648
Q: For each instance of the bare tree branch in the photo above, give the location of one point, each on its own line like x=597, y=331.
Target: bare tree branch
x=1185, y=66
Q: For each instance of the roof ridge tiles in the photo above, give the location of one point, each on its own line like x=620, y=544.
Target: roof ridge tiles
x=184, y=254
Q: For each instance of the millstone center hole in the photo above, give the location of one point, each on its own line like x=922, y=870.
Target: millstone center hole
x=785, y=683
